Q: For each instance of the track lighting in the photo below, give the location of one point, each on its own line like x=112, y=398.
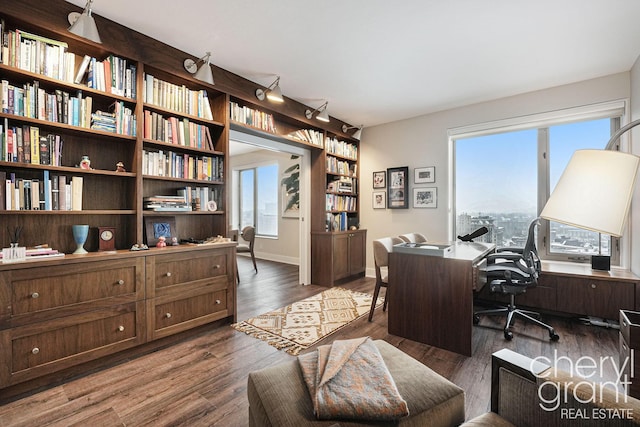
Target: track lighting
x=83, y=24
x=323, y=115
x=273, y=92
x=357, y=134
x=203, y=72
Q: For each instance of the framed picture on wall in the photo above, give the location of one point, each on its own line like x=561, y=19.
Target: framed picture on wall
x=424, y=175
x=380, y=179
x=379, y=199
x=397, y=188
x=426, y=197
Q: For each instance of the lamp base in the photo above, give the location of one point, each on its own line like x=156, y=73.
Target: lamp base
x=601, y=262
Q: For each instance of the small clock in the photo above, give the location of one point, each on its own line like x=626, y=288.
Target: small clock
x=107, y=238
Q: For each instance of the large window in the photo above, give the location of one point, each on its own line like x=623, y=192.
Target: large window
x=503, y=177
x=258, y=199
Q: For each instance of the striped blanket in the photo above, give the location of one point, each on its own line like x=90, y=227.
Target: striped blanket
x=349, y=379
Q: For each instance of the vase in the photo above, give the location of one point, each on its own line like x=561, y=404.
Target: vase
x=80, y=233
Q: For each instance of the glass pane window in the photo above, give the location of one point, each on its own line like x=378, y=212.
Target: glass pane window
x=247, y=198
x=259, y=199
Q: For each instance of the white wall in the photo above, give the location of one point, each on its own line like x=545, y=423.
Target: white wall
x=285, y=248
x=423, y=141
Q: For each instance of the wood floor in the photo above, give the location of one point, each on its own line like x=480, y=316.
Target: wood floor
x=201, y=381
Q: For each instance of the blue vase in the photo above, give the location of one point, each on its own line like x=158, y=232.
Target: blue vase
x=80, y=233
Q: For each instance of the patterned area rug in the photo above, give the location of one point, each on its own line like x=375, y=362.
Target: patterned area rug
x=302, y=324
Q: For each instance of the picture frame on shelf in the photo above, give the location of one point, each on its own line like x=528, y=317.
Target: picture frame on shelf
x=425, y=197
x=380, y=179
x=160, y=226
x=379, y=199
x=424, y=175
x=397, y=188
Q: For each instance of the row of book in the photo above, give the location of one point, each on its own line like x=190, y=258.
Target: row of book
x=30, y=100
x=311, y=136
x=340, y=167
x=337, y=222
x=24, y=144
x=185, y=166
x=120, y=119
x=252, y=117
x=49, y=57
x=188, y=199
x=345, y=184
x=177, y=98
x=176, y=131
x=341, y=148
x=51, y=193
x=336, y=202
x=37, y=253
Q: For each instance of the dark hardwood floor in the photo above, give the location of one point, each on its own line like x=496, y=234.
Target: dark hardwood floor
x=201, y=381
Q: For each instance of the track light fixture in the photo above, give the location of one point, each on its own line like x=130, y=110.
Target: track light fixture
x=83, y=24
x=273, y=92
x=203, y=72
x=357, y=134
x=323, y=115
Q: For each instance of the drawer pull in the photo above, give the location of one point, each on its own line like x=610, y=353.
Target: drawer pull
x=593, y=286
x=168, y=315
x=624, y=323
x=217, y=266
x=121, y=328
x=624, y=346
x=218, y=301
x=120, y=282
x=168, y=274
x=35, y=350
x=35, y=295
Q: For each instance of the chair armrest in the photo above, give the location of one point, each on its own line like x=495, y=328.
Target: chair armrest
x=514, y=249
x=509, y=256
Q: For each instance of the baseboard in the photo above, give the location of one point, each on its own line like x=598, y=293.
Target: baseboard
x=275, y=258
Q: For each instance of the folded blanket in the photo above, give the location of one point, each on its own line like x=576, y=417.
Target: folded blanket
x=349, y=379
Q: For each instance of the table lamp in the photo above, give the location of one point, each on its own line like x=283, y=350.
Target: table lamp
x=595, y=191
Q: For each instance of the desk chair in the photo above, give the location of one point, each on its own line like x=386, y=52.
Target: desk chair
x=511, y=271
x=381, y=249
x=413, y=238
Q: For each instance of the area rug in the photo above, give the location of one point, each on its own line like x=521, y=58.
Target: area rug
x=302, y=324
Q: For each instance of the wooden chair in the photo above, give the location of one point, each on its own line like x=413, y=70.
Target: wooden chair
x=248, y=234
x=413, y=238
x=381, y=249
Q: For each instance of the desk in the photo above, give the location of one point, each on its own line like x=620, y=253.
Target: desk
x=431, y=297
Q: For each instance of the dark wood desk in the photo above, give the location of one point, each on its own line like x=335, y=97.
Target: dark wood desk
x=431, y=297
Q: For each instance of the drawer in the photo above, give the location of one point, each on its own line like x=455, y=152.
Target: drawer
x=169, y=270
x=629, y=363
x=40, y=289
x=591, y=297
x=41, y=348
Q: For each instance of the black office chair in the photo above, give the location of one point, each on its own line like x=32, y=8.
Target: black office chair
x=511, y=271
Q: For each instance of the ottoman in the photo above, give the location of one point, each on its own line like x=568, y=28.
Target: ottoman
x=278, y=395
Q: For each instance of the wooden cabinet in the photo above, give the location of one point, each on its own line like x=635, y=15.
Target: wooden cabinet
x=64, y=315
x=629, y=338
x=593, y=297
x=54, y=317
x=189, y=289
x=337, y=256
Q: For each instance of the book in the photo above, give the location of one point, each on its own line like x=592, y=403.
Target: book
x=76, y=193
x=82, y=69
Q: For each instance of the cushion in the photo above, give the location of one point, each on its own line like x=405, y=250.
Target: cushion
x=278, y=395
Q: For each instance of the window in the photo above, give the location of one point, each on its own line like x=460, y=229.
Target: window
x=503, y=177
x=258, y=199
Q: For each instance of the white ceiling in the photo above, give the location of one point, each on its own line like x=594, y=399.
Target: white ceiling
x=378, y=61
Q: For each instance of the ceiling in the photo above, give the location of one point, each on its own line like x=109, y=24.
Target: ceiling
x=378, y=61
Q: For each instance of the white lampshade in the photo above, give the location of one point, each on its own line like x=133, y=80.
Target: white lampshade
x=594, y=191
x=275, y=94
x=204, y=73
x=84, y=25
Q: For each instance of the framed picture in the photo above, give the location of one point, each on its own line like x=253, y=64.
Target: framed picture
x=397, y=188
x=379, y=200
x=156, y=226
x=424, y=175
x=380, y=179
x=426, y=197
x=290, y=184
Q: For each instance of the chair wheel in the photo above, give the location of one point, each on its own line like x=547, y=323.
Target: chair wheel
x=553, y=336
x=476, y=319
x=508, y=335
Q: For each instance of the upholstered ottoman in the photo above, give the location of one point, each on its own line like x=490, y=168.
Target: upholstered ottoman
x=278, y=396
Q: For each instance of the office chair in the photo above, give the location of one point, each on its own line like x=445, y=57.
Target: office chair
x=413, y=238
x=511, y=271
x=381, y=249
